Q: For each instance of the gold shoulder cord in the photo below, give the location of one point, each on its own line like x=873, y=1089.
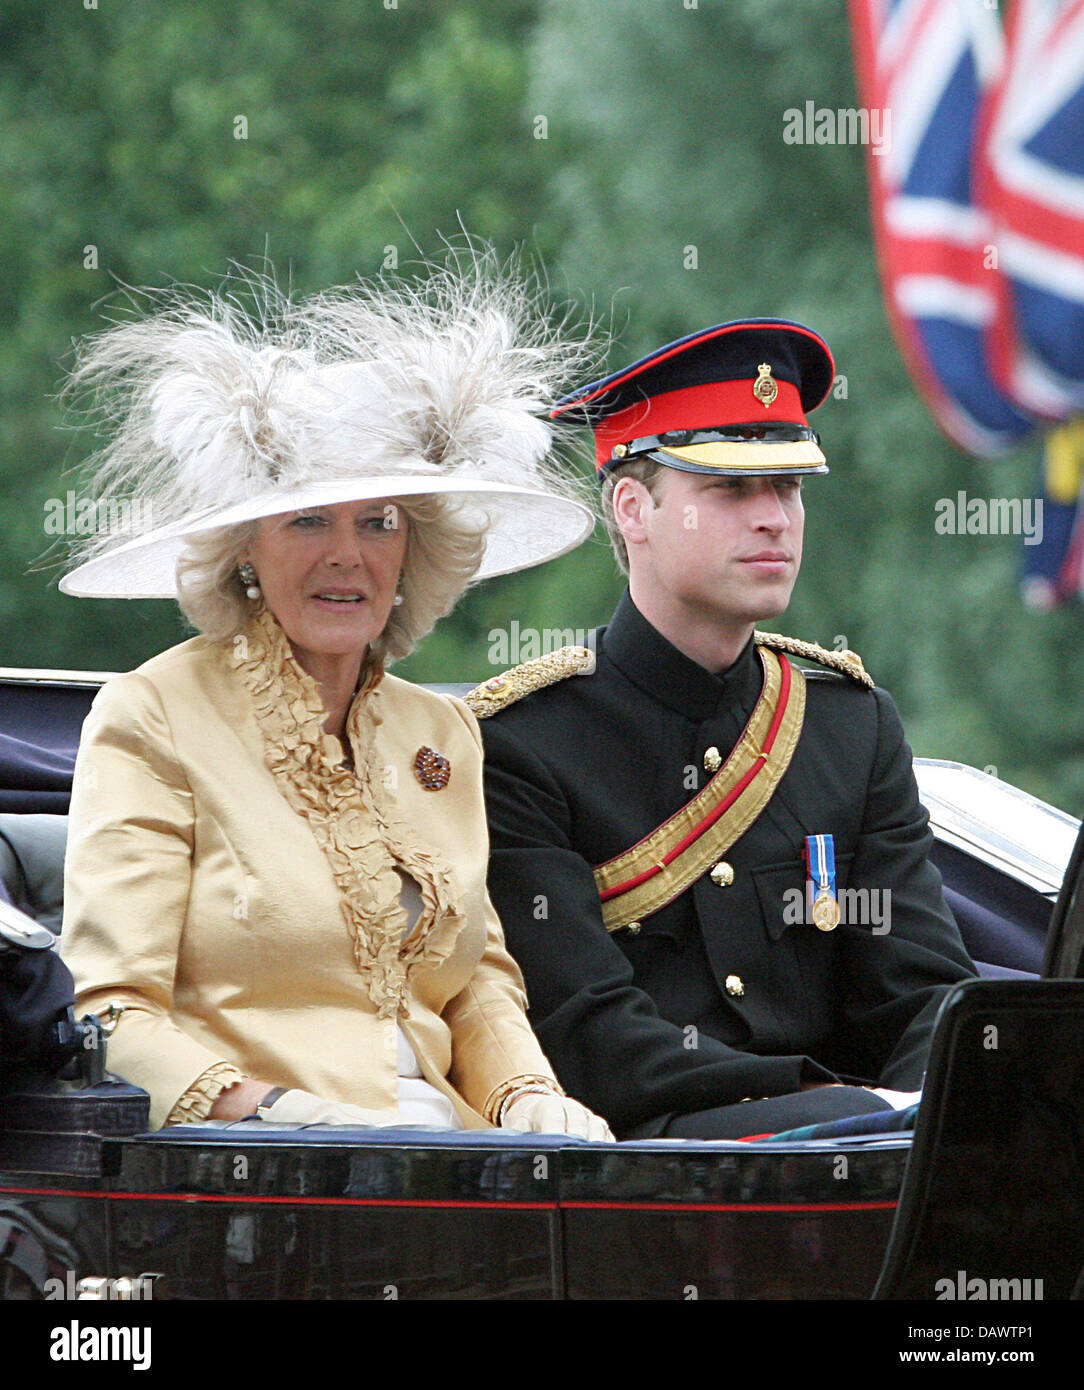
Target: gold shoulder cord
x=501, y=691
x=850, y=663
x=510, y=686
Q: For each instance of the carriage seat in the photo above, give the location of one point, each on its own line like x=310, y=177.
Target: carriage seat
x=32, y=864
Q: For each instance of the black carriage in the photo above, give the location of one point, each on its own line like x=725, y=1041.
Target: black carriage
x=987, y=1195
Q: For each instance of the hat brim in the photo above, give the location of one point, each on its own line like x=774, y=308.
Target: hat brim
x=524, y=527
x=736, y=459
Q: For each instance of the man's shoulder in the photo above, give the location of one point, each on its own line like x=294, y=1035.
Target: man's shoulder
x=543, y=689
x=842, y=662
x=534, y=687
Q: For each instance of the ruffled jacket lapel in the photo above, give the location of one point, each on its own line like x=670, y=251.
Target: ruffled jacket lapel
x=352, y=815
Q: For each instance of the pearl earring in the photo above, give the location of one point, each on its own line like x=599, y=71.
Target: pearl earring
x=249, y=580
x=398, y=599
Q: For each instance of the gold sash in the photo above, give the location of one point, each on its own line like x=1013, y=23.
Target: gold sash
x=655, y=870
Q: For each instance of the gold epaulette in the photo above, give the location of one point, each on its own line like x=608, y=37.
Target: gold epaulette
x=510, y=686
x=850, y=663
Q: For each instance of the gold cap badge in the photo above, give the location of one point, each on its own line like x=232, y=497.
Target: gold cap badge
x=764, y=388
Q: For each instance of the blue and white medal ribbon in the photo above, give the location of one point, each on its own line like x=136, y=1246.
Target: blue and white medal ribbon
x=820, y=855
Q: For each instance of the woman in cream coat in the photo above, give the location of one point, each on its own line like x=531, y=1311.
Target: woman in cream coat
x=275, y=885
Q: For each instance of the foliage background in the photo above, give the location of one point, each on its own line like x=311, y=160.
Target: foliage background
x=392, y=123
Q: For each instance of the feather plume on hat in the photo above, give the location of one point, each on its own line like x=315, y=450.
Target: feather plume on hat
x=214, y=415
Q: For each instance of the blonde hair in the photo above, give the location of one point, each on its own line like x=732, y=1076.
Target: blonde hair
x=644, y=470
x=443, y=551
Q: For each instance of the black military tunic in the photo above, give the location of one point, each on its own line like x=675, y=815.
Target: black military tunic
x=720, y=995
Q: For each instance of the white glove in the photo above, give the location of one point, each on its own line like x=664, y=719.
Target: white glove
x=303, y=1108
x=550, y=1114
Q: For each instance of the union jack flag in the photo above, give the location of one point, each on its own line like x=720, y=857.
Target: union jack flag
x=1053, y=570
x=1030, y=182
x=927, y=64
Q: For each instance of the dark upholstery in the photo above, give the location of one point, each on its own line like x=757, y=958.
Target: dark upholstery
x=32, y=864
x=40, y=723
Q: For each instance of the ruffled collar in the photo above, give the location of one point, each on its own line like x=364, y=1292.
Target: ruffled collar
x=351, y=814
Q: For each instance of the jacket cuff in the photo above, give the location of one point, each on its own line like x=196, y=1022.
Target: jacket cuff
x=195, y=1105
x=500, y=1095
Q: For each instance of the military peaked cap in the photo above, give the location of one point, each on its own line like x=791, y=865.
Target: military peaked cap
x=730, y=400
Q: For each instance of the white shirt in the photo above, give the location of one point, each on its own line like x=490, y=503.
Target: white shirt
x=419, y=1102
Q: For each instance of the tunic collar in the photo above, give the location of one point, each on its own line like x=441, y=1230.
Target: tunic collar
x=668, y=676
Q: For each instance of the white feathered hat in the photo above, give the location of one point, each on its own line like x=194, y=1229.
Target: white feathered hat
x=216, y=417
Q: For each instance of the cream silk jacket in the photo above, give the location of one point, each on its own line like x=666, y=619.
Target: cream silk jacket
x=235, y=888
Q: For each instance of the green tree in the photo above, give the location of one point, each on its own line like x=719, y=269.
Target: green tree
x=637, y=151
x=149, y=142
x=682, y=203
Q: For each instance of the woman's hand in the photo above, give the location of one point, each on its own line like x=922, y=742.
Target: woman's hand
x=303, y=1108
x=239, y=1100
x=293, y=1108
x=550, y=1114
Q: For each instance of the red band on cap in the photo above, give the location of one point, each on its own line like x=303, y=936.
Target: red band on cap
x=714, y=406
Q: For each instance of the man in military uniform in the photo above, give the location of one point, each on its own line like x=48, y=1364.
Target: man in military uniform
x=711, y=862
